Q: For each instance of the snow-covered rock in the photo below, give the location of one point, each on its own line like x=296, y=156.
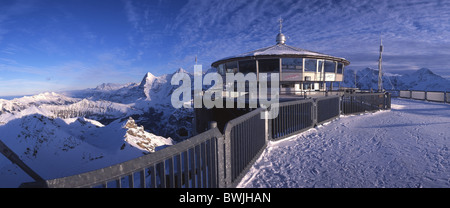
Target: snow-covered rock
x=139, y=138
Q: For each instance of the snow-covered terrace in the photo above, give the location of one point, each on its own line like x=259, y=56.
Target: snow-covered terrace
x=407, y=146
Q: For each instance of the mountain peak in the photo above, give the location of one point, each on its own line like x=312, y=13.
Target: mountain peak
x=148, y=76
x=108, y=86
x=147, y=80
x=424, y=71
x=181, y=70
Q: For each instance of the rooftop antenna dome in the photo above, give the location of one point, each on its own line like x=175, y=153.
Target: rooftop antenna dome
x=281, y=39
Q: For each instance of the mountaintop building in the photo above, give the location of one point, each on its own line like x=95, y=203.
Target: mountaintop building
x=299, y=70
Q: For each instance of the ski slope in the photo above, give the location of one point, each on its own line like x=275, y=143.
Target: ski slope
x=407, y=146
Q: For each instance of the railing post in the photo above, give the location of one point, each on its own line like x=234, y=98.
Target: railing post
x=212, y=125
x=268, y=126
x=314, y=112
x=223, y=160
x=445, y=97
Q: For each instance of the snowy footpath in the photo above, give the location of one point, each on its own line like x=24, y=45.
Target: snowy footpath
x=407, y=146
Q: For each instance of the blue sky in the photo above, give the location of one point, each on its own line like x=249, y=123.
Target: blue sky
x=55, y=45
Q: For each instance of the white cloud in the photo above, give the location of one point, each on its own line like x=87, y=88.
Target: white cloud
x=131, y=12
x=216, y=29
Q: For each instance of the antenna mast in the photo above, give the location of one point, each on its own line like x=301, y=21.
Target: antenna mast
x=380, y=74
x=281, y=23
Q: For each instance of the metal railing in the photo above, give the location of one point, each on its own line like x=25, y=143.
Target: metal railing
x=192, y=163
x=293, y=117
x=245, y=139
x=434, y=96
x=212, y=159
x=328, y=108
x=359, y=103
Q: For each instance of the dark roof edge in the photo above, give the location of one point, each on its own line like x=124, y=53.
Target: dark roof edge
x=325, y=57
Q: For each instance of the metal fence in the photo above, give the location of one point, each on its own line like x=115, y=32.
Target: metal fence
x=327, y=109
x=297, y=116
x=190, y=164
x=434, y=96
x=245, y=139
x=212, y=159
x=359, y=103
x=293, y=117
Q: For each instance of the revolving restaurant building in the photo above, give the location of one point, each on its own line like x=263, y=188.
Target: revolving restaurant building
x=299, y=70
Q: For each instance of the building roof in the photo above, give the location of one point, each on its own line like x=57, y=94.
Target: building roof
x=278, y=50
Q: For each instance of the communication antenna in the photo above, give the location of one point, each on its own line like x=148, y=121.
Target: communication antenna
x=281, y=24
x=380, y=73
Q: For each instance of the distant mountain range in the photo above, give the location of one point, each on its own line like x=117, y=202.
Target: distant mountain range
x=61, y=134
x=422, y=79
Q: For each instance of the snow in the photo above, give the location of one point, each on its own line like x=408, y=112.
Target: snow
x=407, y=146
x=56, y=148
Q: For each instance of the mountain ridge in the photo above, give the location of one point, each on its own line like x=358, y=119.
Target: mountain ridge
x=423, y=79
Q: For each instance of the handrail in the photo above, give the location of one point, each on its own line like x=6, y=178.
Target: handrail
x=115, y=172
x=434, y=96
x=243, y=143
x=213, y=159
x=14, y=158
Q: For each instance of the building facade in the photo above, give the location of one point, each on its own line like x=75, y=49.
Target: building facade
x=299, y=70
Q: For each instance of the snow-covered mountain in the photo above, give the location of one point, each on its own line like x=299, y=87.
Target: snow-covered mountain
x=60, y=134
x=422, y=79
x=148, y=102
x=55, y=147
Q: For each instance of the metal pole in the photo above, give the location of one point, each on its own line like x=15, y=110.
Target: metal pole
x=14, y=158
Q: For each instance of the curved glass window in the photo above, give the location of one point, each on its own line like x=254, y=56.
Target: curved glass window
x=269, y=65
x=231, y=67
x=247, y=66
x=340, y=68
x=330, y=66
x=310, y=65
x=320, y=68
x=292, y=64
x=221, y=69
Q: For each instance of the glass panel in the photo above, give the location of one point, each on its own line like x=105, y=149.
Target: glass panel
x=247, y=66
x=310, y=65
x=330, y=66
x=306, y=86
x=340, y=68
x=287, y=85
x=221, y=69
x=269, y=65
x=292, y=64
x=320, y=65
x=231, y=67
